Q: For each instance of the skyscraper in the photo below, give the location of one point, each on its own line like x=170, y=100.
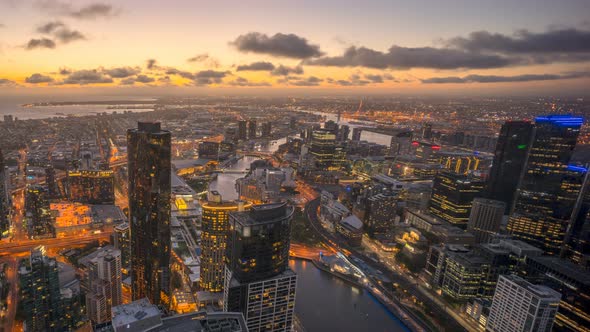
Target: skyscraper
x=243, y=130
x=485, y=218
x=214, y=231
x=4, y=198
x=326, y=153
x=121, y=241
x=577, y=242
x=252, y=129
x=509, y=160
x=104, y=284
x=37, y=212
x=549, y=187
x=258, y=281
x=40, y=294
x=148, y=149
x=519, y=306
x=452, y=196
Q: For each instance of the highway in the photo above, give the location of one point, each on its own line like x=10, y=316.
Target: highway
x=405, y=283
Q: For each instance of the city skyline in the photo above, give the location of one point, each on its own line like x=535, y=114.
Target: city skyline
x=59, y=47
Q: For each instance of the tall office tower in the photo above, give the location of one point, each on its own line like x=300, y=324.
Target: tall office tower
x=323, y=149
x=356, y=134
x=577, y=242
x=243, y=130
x=380, y=213
x=252, y=129
x=214, y=231
x=343, y=133
x=122, y=241
x=519, y=306
x=91, y=186
x=104, y=284
x=40, y=295
x=401, y=144
x=148, y=154
x=266, y=130
x=509, y=161
x=258, y=280
x=427, y=131
x=52, y=190
x=37, y=212
x=331, y=126
x=549, y=187
x=452, y=196
x=485, y=218
x=4, y=198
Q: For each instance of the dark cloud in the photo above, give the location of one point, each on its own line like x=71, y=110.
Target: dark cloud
x=374, y=78
x=49, y=27
x=90, y=11
x=206, y=59
x=40, y=43
x=38, y=78
x=66, y=35
x=281, y=45
x=284, y=71
x=65, y=71
x=7, y=82
x=309, y=81
x=501, y=79
x=151, y=64
x=207, y=77
x=405, y=58
x=256, y=66
x=122, y=72
x=181, y=73
x=526, y=42
x=83, y=77
x=240, y=81
x=139, y=79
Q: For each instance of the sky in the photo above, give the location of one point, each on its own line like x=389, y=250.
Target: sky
x=265, y=46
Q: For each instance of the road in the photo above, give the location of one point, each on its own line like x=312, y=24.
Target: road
x=440, y=313
x=11, y=277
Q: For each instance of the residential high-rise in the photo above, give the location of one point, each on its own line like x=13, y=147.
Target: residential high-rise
x=40, y=293
x=214, y=231
x=549, y=187
x=4, y=199
x=519, y=306
x=485, y=218
x=52, y=189
x=252, y=129
x=258, y=281
x=91, y=186
x=356, y=134
x=380, y=213
x=104, y=284
x=149, y=168
x=243, y=130
x=122, y=241
x=509, y=161
x=452, y=196
x=37, y=212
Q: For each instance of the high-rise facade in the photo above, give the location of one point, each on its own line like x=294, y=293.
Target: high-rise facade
x=519, y=306
x=122, y=241
x=485, y=218
x=37, y=212
x=91, y=186
x=452, y=196
x=104, y=284
x=40, y=293
x=214, y=231
x=577, y=242
x=380, y=213
x=509, y=161
x=252, y=129
x=4, y=198
x=258, y=281
x=149, y=168
x=326, y=152
x=266, y=130
x=243, y=130
x=550, y=187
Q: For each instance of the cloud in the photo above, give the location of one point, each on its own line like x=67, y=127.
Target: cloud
x=139, y=78
x=399, y=57
x=240, y=81
x=65, y=71
x=83, y=77
x=309, y=81
x=38, y=78
x=206, y=59
x=2, y=25
x=151, y=64
x=66, y=35
x=503, y=79
x=207, y=77
x=256, y=66
x=40, y=43
x=121, y=72
x=49, y=27
x=284, y=70
x=374, y=78
x=7, y=82
x=525, y=42
x=90, y=11
x=279, y=45
x=181, y=73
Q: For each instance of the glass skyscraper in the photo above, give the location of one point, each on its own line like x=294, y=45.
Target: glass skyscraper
x=148, y=149
x=549, y=187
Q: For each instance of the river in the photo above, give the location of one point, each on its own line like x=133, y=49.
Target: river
x=324, y=302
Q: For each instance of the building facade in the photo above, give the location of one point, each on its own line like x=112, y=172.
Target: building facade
x=452, y=196
x=104, y=284
x=485, y=218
